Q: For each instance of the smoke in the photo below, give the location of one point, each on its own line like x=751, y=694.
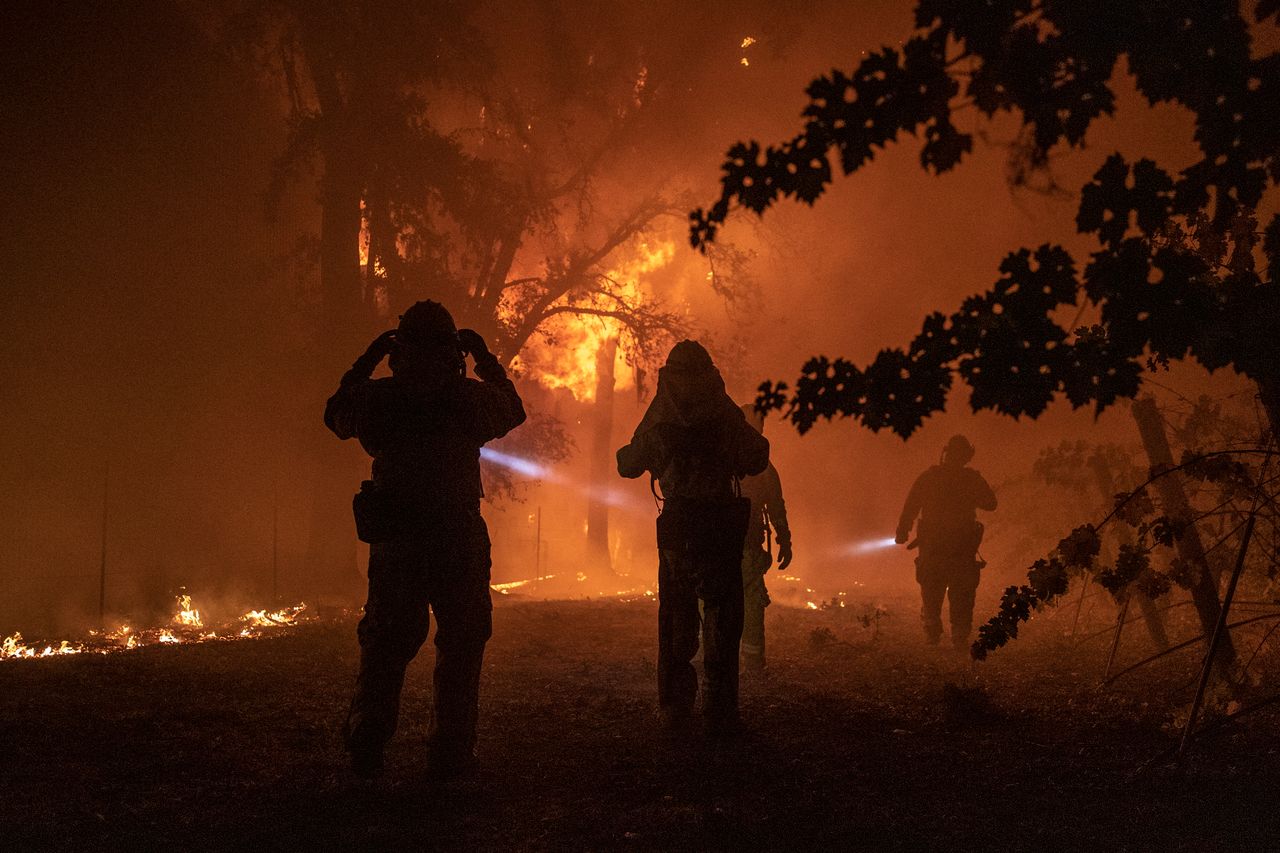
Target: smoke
x=155, y=318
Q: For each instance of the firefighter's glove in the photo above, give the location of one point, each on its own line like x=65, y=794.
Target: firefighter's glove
x=784, y=556
x=473, y=344
x=373, y=355
x=902, y=537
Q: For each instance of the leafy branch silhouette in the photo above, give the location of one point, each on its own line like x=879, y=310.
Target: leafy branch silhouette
x=1173, y=276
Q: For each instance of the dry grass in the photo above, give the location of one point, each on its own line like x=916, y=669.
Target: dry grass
x=852, y=745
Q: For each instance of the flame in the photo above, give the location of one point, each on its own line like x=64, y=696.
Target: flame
x=571, y=363
x=186, y=615
x=14, y=647
x=183, y=629
x=274, y=619
x=503, y=588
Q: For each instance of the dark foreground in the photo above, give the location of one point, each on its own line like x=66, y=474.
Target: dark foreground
x=853, y=745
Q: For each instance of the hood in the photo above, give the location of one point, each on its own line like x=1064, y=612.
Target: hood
x=690, y=390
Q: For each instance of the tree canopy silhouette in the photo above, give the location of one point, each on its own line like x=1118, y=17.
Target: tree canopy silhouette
x=1175, y=274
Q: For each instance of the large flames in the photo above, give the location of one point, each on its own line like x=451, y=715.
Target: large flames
x=185, y=627
x=571, y=362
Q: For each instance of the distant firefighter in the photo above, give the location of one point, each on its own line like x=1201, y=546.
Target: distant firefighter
x=768, y=518
x=698, y=446
x=946, y=498
x=428, y=545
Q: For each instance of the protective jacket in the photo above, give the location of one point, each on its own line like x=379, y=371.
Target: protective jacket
x=946, y=498
x=767, y=508
x=693, y=438
x=425, y=435
x=697, y=443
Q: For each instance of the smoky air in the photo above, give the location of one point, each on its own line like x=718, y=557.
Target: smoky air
x=562, y=425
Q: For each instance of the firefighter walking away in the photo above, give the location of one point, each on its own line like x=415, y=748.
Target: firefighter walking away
x=694, y=441
x=768, y=521
x=946, y=498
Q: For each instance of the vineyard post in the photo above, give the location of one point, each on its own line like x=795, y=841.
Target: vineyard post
x=1104, y=479
x=1219, y=634
x=102, y=565
x=1115, y=643
x=1204, y=587
x=1079, y=605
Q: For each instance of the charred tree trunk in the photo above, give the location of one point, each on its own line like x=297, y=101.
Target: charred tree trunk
x=600, y=559
x=337, y=466
x=1106, y=483
x=1204, y=589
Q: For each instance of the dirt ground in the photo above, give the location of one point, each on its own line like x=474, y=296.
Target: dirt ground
x=856, y=741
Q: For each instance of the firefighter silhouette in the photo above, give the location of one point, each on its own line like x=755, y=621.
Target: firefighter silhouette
x=946, y=497
x=429, y=547
x=694, y=441
x=768, y=520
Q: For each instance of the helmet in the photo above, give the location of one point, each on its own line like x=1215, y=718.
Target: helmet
x=427, y=323
x=958, y=450
x=689, y=356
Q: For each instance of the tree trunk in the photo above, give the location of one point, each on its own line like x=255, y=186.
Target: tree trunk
x=602, y=467
x=1204, y=589
x=1106, y=483
x=337, y=466
x=1269, y=394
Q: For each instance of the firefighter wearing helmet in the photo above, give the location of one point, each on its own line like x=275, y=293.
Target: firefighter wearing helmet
x=697, y=446
x=946, y=499
x=424, y=426
x=768, y=522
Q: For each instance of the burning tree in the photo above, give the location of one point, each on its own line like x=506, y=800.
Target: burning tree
x=353, y=75
x=507, y=173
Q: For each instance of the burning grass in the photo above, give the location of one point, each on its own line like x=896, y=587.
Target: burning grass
x=186, y=627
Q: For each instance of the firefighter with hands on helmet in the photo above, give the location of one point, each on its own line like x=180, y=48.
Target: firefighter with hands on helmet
x=424, y=426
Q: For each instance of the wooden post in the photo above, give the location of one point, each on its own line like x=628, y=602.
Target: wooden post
x=1115, y=643
x=1204, y=587
x=1219, y=633
x=275, y=540
x=102, y=567
x=1075, y=622
x=1105, y=480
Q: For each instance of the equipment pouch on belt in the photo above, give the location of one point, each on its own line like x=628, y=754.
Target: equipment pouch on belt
x=966, y=538
x=978, y=530
x=381, y=514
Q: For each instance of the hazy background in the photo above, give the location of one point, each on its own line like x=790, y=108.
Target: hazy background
x=150, y=320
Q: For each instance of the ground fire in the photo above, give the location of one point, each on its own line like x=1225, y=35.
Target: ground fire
x=185, y=627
